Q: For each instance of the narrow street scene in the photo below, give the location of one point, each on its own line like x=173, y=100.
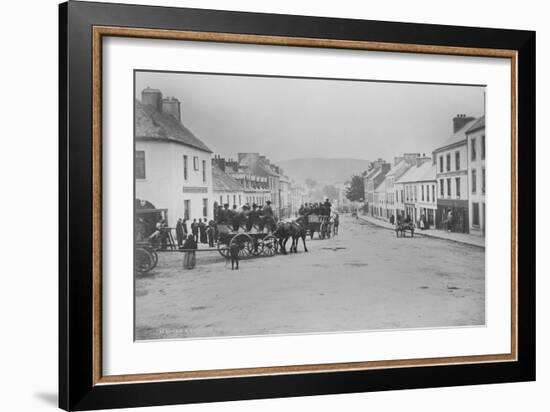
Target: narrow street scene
x=364, y=278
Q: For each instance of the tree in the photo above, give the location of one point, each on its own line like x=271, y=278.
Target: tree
x=356, y=189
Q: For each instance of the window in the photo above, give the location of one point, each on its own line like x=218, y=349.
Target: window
x=415, y=193
x=483, y=181
x=474, y=181
x=140, y=164
x=204, y=171
x=221, y=200
x=475, y=214
x=234, y=199
x=441, y=164
x=457, y=160
x=401, y=196
x=186, y=209
x=449, y=187
x=196, y=163
x=483, y=147
x=422, y=192
x=240, y=203
x=433, y=193
x=473, y=149
x=441, y=189
x=185, y=166
x=448, y=162
x=427, y=193
x=457, y=187
x=205, y=207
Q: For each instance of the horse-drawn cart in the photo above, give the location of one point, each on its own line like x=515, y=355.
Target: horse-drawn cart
x=403, y=227
x=250, y=243
x=320, y=224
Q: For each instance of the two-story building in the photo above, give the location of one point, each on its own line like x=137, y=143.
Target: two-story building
x=226, y=189
x=451, y=160
x=476, y=175
x=173, y=172
x=393, y=190
x=420, y=199
x=258, y=166
x=256, y=188
x=372, y=181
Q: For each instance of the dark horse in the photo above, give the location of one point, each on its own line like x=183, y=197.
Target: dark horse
x=296, y=230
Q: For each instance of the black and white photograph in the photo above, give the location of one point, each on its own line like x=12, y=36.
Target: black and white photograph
x=268, y=205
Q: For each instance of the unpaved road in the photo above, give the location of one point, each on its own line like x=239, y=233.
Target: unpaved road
x=365, y=278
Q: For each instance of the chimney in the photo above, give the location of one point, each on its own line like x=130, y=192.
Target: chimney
x=422, y=160
x=219, y=162
x=172, y=106
x=459, y=121
x=152, y=97
x=397, y=159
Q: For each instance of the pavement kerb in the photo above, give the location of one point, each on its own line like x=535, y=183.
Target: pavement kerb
x=388, y=226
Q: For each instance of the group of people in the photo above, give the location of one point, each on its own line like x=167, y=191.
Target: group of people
x=247, y=216
x=317, y=208
x=202, y=231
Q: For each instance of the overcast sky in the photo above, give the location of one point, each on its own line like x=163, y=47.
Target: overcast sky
x=298, y=118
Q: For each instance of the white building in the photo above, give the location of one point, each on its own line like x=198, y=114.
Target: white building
x=476, y=175
x=380, y=204
x=400, y=166
x=173, y=172
x=420, y=195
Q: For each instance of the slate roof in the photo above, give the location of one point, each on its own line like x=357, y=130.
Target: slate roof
x=479, y=124
x=150, y=124
x=222, y=182
x=457, y=137
x=399, y=169
x=423, y=173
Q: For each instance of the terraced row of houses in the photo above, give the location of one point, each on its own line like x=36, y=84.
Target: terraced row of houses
x=178, y=176
x=446, y=190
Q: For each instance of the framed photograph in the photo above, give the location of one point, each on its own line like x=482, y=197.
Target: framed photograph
x=256, y=205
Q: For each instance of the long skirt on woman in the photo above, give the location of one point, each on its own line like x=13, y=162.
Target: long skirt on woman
x=189, y=260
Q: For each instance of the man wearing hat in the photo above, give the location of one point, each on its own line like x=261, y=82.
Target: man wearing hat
x=253, y=217
x=268, y=213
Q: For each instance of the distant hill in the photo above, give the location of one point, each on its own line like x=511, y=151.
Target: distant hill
x=323, y=170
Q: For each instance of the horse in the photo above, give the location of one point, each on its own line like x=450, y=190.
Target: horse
x=283, y=232
x=295, y=229
x=299, y=231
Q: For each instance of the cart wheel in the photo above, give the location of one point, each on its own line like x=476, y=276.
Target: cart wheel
x=155, y=259
x=144, y=260
x=223, y=249
x=245, y=242
x=270, y=245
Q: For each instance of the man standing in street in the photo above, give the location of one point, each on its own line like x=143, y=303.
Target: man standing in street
x=179, y=233
x=195, y=230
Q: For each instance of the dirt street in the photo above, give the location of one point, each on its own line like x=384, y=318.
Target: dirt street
x=365, y=278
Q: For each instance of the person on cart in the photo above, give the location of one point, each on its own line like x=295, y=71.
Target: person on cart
x=268, y=214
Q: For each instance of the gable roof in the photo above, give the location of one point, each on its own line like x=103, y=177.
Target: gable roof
x=479, y=124
x=381, y=185
x=222, y=182
x=150, y=124
x=423, y=173
x=399, y=169
x=458, y=137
